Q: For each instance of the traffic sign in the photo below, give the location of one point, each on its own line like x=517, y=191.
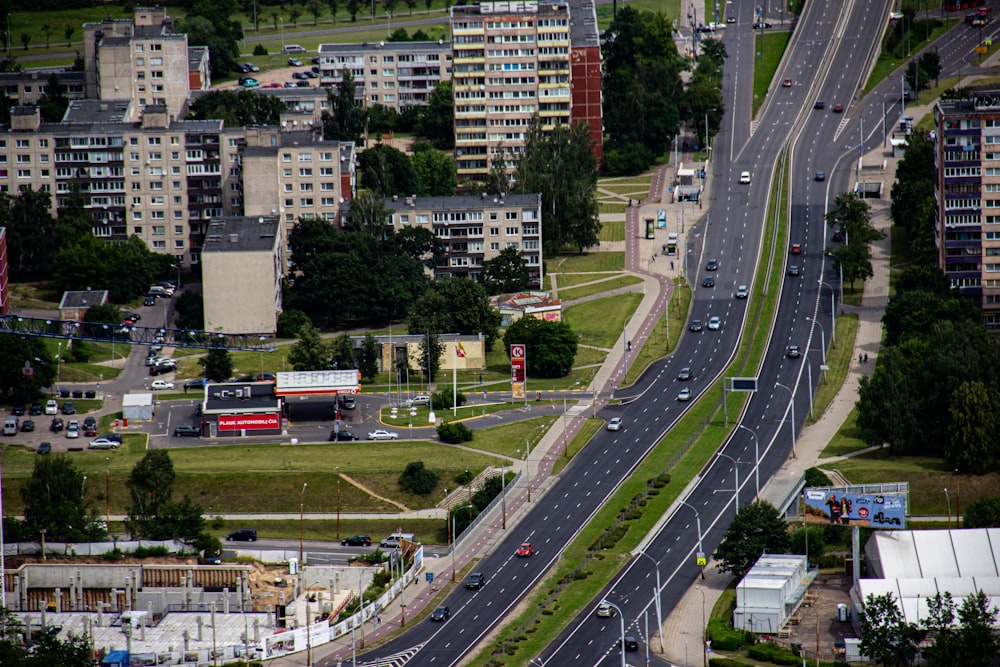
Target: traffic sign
x=702, y=560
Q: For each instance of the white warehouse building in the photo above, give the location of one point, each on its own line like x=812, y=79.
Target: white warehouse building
x=770, y=591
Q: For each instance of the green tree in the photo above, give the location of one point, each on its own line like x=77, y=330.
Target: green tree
x=506, y=273
x=912, y=196
x=342, y=353
x=334, y=6
x=314, y=7
x=53, y=502
x=434, y=172
x=182, y=521
x=290, y=323
x=107, y=312
x=389, y=6
x=885, y=635
x=983, y=513
x=209, y=25
x=151, y=483
x=436, y=121
x=293, y=14
x=972, y=446
x=217, y=365
x=367, y=214
x=755, y=530
x=237, y=107
x=311, y=353
x=44, y=648
x=387, y=171
x=940, y=624
x=346, y=120
x=560, y=165
x=978, y=643
x=912, y=312
x=418, y=479
x=30, y=226
x=431, y=349
x=418, y=243
x=852, y=215
x=353, y=7
x=47, y=31
x=498, y=181
x=455, y=305
x=25, y=39
x=368, y=358
x=410, y=4
x=68, y=31
x=15, y=353
x=53, y=103
x=550, y=347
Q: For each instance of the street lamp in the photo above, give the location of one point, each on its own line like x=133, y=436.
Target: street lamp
x=83, y=487
x=58, y=363
x=822, y=337
x=756, y=455
x=791, y=400
x=659, y=619
x=621, y=617
x=338, y=502
x=833, y=307
x=697, y=518
x=527, y=464
x=302, y=505
x=948, y=498
x=503, y=492
x=704, y=625
x=453, y=537
x=708, y=141
x=736, y=471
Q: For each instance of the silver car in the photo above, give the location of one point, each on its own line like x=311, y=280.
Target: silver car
x=382, y=434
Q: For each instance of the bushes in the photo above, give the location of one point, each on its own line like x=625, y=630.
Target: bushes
x=290, y=323
x=417, y=479
x=770, y=652
x=726, y=638
x=453, y=433
x=442, y=400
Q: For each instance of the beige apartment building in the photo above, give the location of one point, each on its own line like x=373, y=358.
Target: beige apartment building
x=394, y=74
x=242, y=263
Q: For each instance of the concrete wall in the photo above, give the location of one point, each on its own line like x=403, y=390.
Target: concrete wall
x=241, y=291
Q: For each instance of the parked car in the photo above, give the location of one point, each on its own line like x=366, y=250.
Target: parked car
x=249, y=82
x=150, y=300
x=44, y=448
x=837, y=237
x=27, y=426
x=419, y=399
x=130, y=315
x=51, y=407
x=161, y=384
x=36, y=409
x=187, y=431
x=382, y=434
x=342, y=436
x=440, y=613
x=242, y=535
x=299, y=75
x=195, y=384
x=348, y=403
x=615, y=424
x=295, y=62
x=117, y=437
x=241, y=67
x=73, y=429
x=17, y=411
x=525, y=550
x=475, y=580
x=357, y=541
x=69, y=408
x=103, y=443
x=56, y=425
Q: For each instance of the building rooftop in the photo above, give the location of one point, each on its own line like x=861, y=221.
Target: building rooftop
x=243, y=395
x=41, y=76
x=509, y=8
x=83, y=299
x=242, y=234
x=462, y=202
x=430, y=47
x=97, y=111
x=583, y=29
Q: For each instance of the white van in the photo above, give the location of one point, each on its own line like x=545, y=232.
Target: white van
x=294, y=48
x=393, y=540
x=10, y=425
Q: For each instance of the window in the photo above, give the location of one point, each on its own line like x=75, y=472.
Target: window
x=305, y=173
x=306, y=201
x=326, y=187
x=305, y=157
x=305, y=187
x=175, y=185
x=286, y=157
x=495, y=247
x=328, y=201
x=24, y=173
x=154, y=141
x=159, y=230
x=23, y=143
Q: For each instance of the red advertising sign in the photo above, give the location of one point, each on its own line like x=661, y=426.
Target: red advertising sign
x=517, y=370
x=249, y=422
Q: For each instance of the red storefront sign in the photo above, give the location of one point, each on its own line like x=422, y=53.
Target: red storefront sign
x=249, y=422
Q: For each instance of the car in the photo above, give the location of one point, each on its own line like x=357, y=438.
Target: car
x=56, y=425
x=787, y=83
x=837, y=237
x=793, y=270
x=250, y=82
x=73, y=429
x=742, y=291
x=265, y=377
x=684, y=395
x=197, y=383
x=713, y=265
x=440, y=613
x=162, y=367
x=684, y=375
x=820, y=176
x=69, y=408
x=714, y=323
x=615, y=424
x=730, y=19
x=27, y=426
x=293, y=48
x=161, y=384
x=242, y=535
x=695, y=325
x=744, y=177
x=152, y=359
x=820, y=104
x=525, y=550
x=709, y=281
x=382, y=434
x=117, y=437
x=315, y=68
x=348, y=403
x=103, y=443
x=17, y=411
x=605, y=610
x=342, y=436
x=241, y=67
x=310, y=74
x=475, y=581
x=149, y=300
x=792, y=352
x=631, y=643
x=129, y=315
x=304, y=83
x=796, y=249
x=357, y=541
x=761, y=25
x=315, y=60
x=291, y=84
x=273, y=84
x=419, y=399
x=51, y=407
x=295, y=62
x=44, y=448
x=299, y=75
x=187, y=431
x=251, y=67
x=838, y=108
x=36, y=409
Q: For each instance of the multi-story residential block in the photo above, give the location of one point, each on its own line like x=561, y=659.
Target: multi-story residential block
x=967, y=197
x=516, y=60
x=28, y=86
x=242, y=266
x=142, y=59
x=474, y=229
x=394, y=74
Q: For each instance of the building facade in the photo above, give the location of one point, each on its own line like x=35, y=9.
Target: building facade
x=242, y=266
x=394, y=74
x=967, y=197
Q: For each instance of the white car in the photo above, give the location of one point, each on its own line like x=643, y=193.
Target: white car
x=745, y=177
x=615, y=424
x=161, y=384
x=685, y=395
x=51, y=408
x=714, y=323
x=742, y=291
x=73, y=429
x=419, y=399
x=104, y=443
x=382, y=434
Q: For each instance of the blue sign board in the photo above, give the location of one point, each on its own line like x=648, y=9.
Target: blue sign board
x=872, y=510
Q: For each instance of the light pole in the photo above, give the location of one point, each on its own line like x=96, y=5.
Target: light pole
x=338, y=502
x=708, y=141
x=58, y=364
x=527, y=464
x=621, y=617
x=822, y=337
x=107, y=494
x=83, y=487
x=756, y=455
x=791, y=400
x=704, y=625
x=833, y=305
x=948, y=498
x=453, y=537
x=659, y=619
x=503, y=492
x=302, y=506
x=736, y=471
x=697, y=518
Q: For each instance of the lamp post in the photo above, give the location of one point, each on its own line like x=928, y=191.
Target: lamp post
x=302, y=506
x=704, y=625
x=697, y=518
x=708, y=141
x=107, y=494
x=58, y=363
x=833, y=307
x=621, y=617
x=453, y=539
x=756, y=455
x=659, y=619
x=948, y=498
x=282, y=20
x=503, y=493
x=822, y=337
x=736, y=471
x=791, y=400
x=338, y=502
x=83, y=487
x=527, y=464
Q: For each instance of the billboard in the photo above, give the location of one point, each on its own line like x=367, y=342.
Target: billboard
x=271, y=421
x=833, y=505
x=518, y=367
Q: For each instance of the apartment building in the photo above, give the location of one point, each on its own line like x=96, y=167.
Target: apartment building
x=394, y=74
x=967, y=197
x=515, y=60
x=144, y=60
x=242, y=267
x=28, y=86
x=474, y=229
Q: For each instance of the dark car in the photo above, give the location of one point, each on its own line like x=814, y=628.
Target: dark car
x=793, y=270
x=357, y=541
x=17, y=410
x=838, y=108
x=242, y=535
x=161, y=368
x=713, y=265
x=300, y=75
x=342, y=436
x=36, y=409
x=820, y=176
x=440, y=613
x=195, y=384
x=27, y=426
x=684, y=375
x=761, y=25
x=709, y=281
x=631, y=643
x=837, y=237
x=311, y=74
x=241, y=67
x=57, y=425
x=129, y=315
x=792, y=352
x=695, y=325
x=44, y=448
x=150, y=300
x=264, y=377
x=69, y=408
x=187, y=431
x=820, y=104
x=475, y=580
x=304, y=83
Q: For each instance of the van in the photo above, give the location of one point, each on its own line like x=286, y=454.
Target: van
x=10, y=426
x=294, y=48
x=242, y=535
x=393, y=540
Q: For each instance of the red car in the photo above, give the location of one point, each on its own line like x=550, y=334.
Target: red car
x=796, y=249
x=838, y=108
x=787, y=83
x=525, y=550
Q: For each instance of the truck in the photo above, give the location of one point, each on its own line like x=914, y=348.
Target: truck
x=978, y=18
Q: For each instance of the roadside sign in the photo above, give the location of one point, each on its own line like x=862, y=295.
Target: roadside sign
x=429, y=576
x=702, y=560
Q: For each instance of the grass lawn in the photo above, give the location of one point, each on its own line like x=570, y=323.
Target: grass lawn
x=582, y=437
x=506, y=440
x=848, y=438
x=588, y=261
x=39, y=296
x=463, y=413
x=597, y=288
x=656, y=346
x=613, y=231
x=769, y=50
x=610, y=206
x=838, y=358
x=566, y=280
x=600, y=322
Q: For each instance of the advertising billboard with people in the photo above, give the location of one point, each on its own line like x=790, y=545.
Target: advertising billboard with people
x=833, y=505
